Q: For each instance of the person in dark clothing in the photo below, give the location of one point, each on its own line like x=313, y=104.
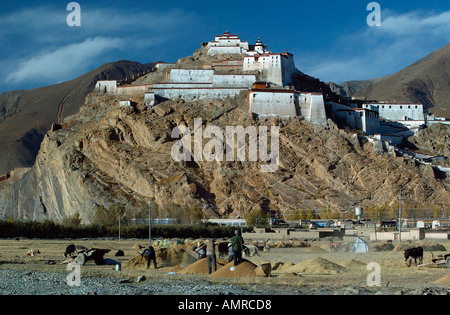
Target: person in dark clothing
x=151, y=255
x=211, y=255
x=237, y=244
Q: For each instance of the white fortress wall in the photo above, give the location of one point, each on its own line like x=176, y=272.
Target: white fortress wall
x=133, y=89
x=272, y=102
x=107, y=86
x=251, y=63
x=225, y=50
x=391, y=139
x=401, y=111
x=312, y=107
x=181, y=85
x=191, y=76
x=149, y=99
x=371, y=122
x=193, y=94
x=164, y=65
x=274, y=73
x=234, y=80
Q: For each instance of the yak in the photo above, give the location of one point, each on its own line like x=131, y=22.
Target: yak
x=69, y=250
x=416, y=253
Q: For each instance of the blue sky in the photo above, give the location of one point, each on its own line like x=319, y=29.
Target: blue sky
x=329, y=39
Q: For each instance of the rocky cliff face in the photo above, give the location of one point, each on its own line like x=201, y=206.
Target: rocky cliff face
x=434, y=140
x=107, y=155
x=26, y=116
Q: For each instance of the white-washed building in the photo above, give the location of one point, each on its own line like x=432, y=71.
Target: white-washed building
x=284, y=102
x=399, y=111
x=278, y=68
x=363, y=119
x=227, y=44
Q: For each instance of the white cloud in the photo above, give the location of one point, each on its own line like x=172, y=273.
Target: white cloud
x=373, y=52
x=417, y=24
x=61, y=63
x=39, y=48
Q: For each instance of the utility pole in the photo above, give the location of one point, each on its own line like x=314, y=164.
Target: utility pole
x=400, y=217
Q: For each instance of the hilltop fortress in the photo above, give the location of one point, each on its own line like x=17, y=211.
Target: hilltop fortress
x=227, y=66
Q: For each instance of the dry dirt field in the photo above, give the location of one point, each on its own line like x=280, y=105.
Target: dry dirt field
x=305, y=268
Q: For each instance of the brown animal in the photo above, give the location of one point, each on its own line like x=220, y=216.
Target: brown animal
x=33, y=252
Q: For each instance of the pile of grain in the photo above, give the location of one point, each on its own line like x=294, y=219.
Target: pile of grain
x=315, y=266
x=174, y=256
x=201, y=267
x=286, y=244
x=165, y=257
x=281, y=266
x=351, y=263
x=382, y=247
x=245, y=269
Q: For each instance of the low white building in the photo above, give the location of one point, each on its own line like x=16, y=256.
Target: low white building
x=363, y=119
x=106, y=86
x=164, y=65
x=278, y=68
x=227, y=44
x=283, y=102
x=191, y=76
x=268, y=102
x=192, y=85
x=399, y=111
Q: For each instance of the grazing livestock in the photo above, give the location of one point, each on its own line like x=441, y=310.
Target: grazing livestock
x=251, y=250
x=416, y=252
x=69, y=250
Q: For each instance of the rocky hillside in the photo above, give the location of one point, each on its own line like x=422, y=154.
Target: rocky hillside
x=26, y=115
x=427, y=81
x=434, y=140
x=106, y=155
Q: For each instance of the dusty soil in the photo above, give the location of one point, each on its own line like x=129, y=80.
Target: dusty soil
x=292, y=267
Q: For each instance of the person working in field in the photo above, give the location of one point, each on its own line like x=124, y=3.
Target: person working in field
x=211, y=255
x=237, y=244
x=151, y=255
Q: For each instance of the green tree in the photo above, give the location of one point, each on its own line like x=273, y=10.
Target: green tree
x=108, y=216
x=258, y=218
x=74, y=220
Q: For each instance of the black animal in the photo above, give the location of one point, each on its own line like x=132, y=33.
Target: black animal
x=223, y=250
x=416, y=253
x=120, y=253
x=69, y=250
